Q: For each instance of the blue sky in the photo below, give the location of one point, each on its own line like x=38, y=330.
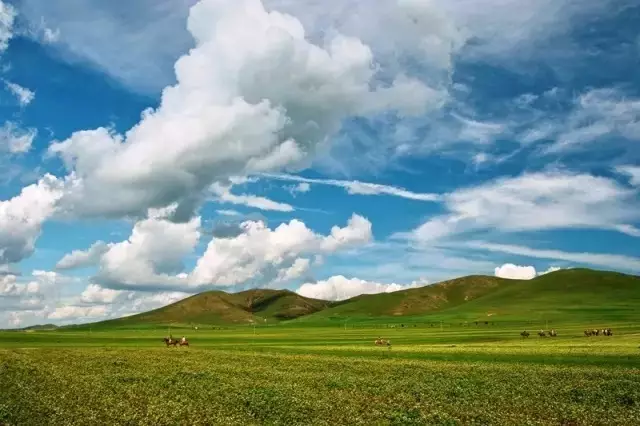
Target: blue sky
x=155, y=150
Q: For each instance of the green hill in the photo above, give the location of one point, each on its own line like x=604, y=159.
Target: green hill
x=574, y=294
x=218, y=307
x=577, y=294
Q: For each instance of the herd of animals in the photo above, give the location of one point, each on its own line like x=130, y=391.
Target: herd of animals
x=170, y=341
x=588, y=333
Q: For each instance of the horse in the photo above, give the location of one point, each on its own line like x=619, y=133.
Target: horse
x=382, y=342
x=170, y=341
x=524, y=334
x=183, y=342
x=541, y=333
x=553, y=333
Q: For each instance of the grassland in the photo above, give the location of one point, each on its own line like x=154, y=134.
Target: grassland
x=273, y=357
x=289, y=374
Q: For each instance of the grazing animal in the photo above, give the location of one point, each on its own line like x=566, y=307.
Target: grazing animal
x=553, y=333
x=170, y=341
x=607, y=332
x=587, y=333
x=525, y=334
x=382, y=342
x=184, y=342
x=541, y=333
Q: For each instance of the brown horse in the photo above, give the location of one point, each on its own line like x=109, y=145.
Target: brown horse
x=170, y=341
x=184, y=342
x=382, y=342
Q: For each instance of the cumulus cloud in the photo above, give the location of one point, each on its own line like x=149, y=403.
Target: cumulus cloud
x=94, y=294
x=15, y=140
x=82, y=258
x=152, y=256
x=258, y=250
x=299, y=267
x=22, y=216
x=7, y=18
x=536, y=201
x=77, y=312
x=231, y=111
x=515, y=272
x=355, y=187
x=341, y=288
x=22, y=94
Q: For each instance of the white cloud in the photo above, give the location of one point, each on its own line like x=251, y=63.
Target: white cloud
x=152, y=256
x=50, y=36
x=15, y=140
x=222, y=194
x=231, y=111
x=355, y=187
x=94, y=294
x=536, y=201
x=632, y=171
x=515, y=272
x=551, y=269
x=299, y=267
x=598, y=115
x=627, y=263
x=7, y=17
x=22, y=216
x=259, y=251
x=301, y=188
x=22, y=94
x=229, y=212
x=340, y=288
x=9, y=286
x=77, y=312
x=82, y=258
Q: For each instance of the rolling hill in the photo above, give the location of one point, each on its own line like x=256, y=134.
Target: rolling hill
x=218, y=307
x=578, y=294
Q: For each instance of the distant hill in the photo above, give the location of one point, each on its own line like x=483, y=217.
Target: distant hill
x=40, y=327
x=576, y=294
x=218, y=307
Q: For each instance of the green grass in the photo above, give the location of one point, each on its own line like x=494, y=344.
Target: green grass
x=288, y=374
x=457, y=358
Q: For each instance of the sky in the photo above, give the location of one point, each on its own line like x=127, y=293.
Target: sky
x=156, y=149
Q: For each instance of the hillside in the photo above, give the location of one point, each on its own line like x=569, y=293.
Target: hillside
x=577, y=294
x=218, y=307
x=580, y=294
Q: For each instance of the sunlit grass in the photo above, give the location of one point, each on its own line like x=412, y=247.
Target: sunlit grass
x=284, y=375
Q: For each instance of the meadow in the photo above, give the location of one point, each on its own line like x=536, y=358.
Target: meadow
x=294, y=374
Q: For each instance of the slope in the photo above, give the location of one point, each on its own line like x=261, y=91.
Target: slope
x=579, y=294
x=416, y=301
x=576, y=294
x=218, y=307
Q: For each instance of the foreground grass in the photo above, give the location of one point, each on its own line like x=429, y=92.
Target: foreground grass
x=289, y=376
